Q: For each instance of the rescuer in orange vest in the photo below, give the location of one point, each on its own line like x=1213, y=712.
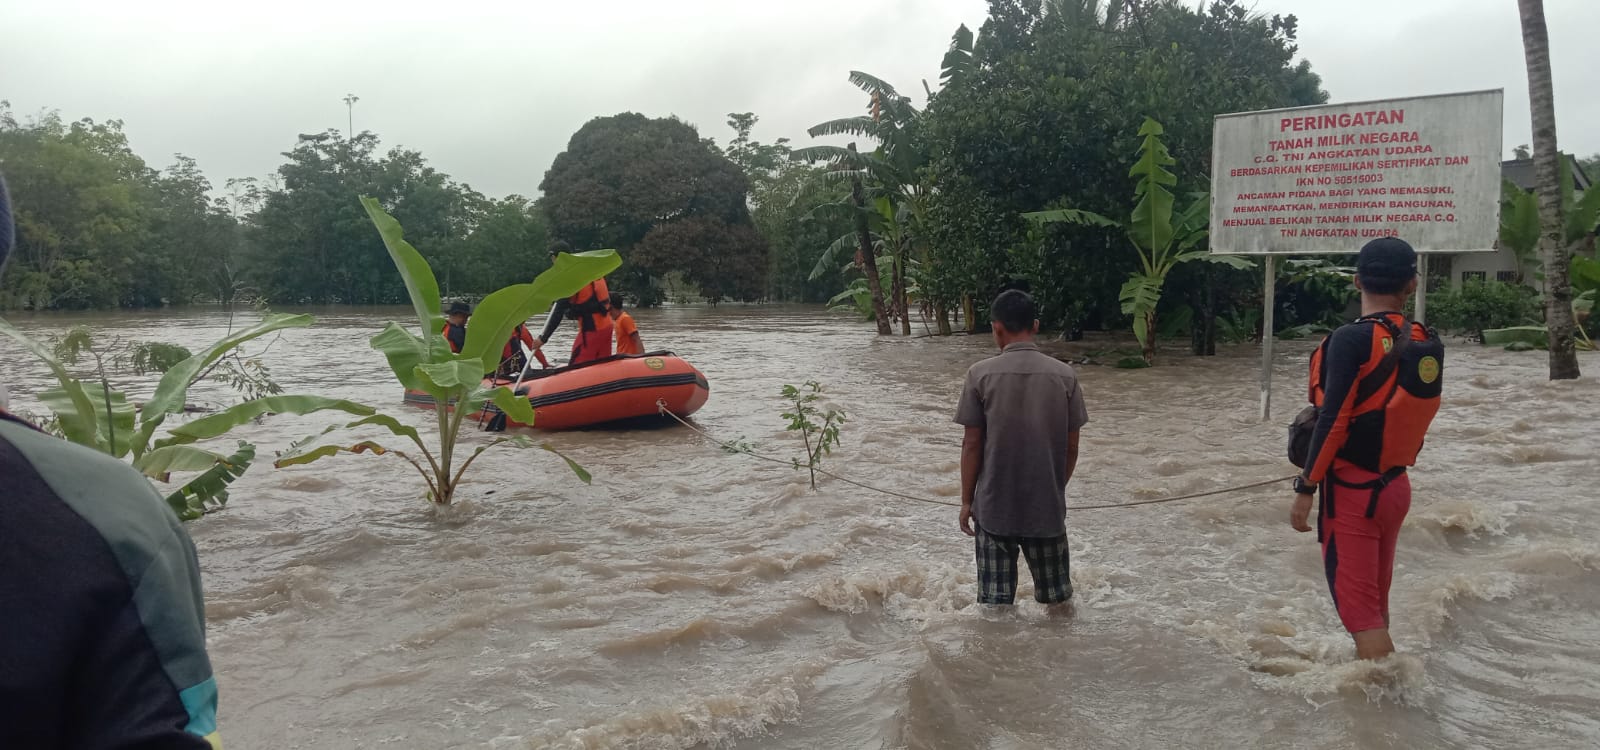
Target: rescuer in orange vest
x=591, y=307
x=455, y=325
x=1376, y=384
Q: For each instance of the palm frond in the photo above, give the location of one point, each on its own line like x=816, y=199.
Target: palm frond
x=872, y=84
x=1071, y=216
x=832, y=155
x=861, y=126
x=829, y=260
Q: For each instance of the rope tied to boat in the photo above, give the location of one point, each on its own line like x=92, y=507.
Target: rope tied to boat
x=731, y=447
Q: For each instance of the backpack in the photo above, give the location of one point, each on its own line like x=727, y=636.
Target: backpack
x=1304, y=425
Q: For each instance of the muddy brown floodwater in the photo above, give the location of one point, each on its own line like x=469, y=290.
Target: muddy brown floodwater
x=691, y=597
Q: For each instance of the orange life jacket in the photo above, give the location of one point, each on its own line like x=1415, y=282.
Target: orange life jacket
x=591, y=306
x=1389, y=412
x=456, y=335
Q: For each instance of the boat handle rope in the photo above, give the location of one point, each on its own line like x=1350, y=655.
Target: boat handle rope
x=661, y=405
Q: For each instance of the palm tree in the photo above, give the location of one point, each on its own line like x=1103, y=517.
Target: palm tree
x=1546, y=160
x=890, y=171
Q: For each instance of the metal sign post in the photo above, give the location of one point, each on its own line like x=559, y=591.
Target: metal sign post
x=1327, y=179
x=1421, y=313
x=1269, y=293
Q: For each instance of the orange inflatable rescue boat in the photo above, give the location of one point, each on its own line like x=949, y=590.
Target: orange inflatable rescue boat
x=624, y=386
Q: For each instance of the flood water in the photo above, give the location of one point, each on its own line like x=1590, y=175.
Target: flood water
x=691, y=597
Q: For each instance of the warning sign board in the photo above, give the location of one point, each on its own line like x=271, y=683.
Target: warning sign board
x=1326, y=179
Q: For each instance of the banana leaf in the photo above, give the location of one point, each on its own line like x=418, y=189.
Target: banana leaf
x=501, y=311
x=1150, y=226
x=516, y=407
x=1071, y=216
x=80, y=424
x=421, y=285
x=404, y=351
x=159, y=464
x=114, y=434
x=173, y=389
x=215, y=425
x=209, y=491
x=1538, y=336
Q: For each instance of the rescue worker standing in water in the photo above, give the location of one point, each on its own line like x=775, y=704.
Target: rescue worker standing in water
x=1373, y=412
x=591, y=307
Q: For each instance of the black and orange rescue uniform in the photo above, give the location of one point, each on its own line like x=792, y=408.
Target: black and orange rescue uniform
x=1370, y=428
x=591, y=307
x=512, y=359
x=456, y=335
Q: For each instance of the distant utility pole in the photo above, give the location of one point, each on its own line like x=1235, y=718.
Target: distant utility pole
x=350, y=104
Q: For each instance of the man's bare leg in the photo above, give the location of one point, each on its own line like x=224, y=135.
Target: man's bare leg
x=1373, y=644
x=1059, y=609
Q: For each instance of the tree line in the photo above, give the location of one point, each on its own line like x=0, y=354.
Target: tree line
x=99, y=227
x=915, y=215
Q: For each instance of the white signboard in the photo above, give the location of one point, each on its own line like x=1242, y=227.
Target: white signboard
x=1329, y=178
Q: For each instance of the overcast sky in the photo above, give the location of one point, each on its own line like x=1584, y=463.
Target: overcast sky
x=490, y=90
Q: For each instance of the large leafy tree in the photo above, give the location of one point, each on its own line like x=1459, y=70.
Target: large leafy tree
x=665, y=199
x=97, y=227
x=1547, y=169
x=1163, y=237
x=313, y=240
x=1035, y=114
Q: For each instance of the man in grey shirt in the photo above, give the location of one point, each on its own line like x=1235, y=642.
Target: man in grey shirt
x=1022, y=411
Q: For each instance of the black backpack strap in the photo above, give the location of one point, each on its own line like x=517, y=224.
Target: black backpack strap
x=1390, y=362
x=1376, y=485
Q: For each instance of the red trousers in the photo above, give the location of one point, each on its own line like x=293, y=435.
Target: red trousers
x=1359, y=527
x=589, y=346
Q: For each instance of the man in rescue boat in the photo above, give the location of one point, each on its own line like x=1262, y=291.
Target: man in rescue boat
x=455, y=325
x=1373, y=412
x=591, y=307
x=628, y=341
x=512, y=359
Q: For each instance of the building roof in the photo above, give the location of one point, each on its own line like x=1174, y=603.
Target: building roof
x=1521, y=173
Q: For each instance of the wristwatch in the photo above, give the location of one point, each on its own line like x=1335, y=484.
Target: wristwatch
x=1303, y=488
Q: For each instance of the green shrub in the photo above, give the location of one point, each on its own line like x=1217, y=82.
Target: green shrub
x=1481, y=305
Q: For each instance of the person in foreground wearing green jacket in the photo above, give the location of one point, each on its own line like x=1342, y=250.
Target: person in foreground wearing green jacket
x=102, y=619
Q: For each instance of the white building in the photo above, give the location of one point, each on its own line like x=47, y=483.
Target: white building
x=1500, y=265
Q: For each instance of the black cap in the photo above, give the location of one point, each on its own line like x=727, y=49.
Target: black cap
x=459, y=308
x=1387, y=259
x=7, y=229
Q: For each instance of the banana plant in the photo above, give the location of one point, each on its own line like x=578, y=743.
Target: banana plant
x=1162, y=236
x=421, y=360
x=1520, y=230
x=98, y=416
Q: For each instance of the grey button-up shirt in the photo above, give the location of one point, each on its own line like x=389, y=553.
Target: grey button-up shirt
x=1027, y=402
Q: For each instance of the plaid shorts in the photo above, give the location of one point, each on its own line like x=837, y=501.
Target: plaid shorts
x=1047, y=558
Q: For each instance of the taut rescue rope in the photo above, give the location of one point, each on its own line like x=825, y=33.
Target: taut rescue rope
x=661, y=405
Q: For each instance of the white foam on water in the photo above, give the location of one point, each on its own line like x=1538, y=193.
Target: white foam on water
x=1445, y=593
x=1469, y=517
x=919, y=595
x=715, y=720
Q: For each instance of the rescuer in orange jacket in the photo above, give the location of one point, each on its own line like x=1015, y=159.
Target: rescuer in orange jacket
x=512, y=360
x=591, y=307
x=1376, y=384
x=455, y=325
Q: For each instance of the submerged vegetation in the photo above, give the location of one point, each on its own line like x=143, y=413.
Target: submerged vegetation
x=421, y=360
x=92, y=412
x=818, y=427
